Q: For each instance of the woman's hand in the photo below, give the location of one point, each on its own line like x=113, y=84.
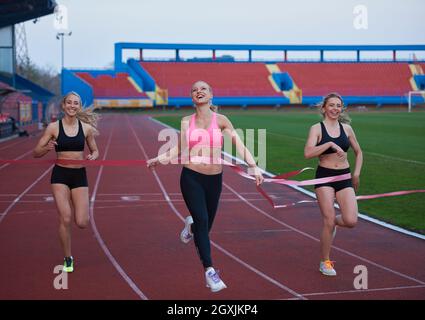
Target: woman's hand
x=47, y=141
x=152, y=162
x=356, y=182
x=259, y=179
x=51, y=144
x=339, y=152
x=92, y=156
x=255, y=171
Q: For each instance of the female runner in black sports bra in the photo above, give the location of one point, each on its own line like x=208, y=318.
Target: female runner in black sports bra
x=329, y=140
x=69, y=182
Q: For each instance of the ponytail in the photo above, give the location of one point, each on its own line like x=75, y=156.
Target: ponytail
x=89, y=117
x=344, y=117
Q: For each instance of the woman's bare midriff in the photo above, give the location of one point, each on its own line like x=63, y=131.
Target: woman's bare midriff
x=212, y=155
x=208, y=169
x=70, y=155
x=332, y=161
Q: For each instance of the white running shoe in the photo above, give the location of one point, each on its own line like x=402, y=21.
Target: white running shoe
x=186, y=235
x=327, y=268
x=213, y=280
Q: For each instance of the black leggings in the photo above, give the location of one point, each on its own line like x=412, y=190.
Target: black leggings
x=201, y=194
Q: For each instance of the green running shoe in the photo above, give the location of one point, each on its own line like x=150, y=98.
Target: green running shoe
x=68, y=264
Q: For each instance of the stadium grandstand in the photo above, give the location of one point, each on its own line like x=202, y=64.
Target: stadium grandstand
x=144, y=82
x=23, y=103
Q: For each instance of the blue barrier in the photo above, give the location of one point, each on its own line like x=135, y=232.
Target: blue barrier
x=348, y=100
x=232, y=101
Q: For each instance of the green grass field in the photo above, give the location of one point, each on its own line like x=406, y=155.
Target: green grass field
x=393, y=145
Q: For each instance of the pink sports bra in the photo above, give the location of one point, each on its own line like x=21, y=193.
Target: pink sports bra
x=211, y=137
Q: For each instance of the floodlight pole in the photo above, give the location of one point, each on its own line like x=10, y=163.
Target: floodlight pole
x=61, y=35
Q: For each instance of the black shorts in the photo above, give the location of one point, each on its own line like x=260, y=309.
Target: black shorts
x=72, y=177
x=322, y=172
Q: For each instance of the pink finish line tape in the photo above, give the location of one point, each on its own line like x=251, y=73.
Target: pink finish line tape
x=279, y=179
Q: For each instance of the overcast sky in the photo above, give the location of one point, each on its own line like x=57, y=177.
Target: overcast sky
x=96, y=25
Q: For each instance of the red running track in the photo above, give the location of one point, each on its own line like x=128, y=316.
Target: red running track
x=132, y=250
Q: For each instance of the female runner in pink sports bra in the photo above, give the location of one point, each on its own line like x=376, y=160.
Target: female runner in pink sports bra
x=201, y=177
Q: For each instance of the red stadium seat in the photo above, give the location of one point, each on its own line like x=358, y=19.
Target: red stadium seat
x=350, y=79
x=226, y=79
x=108, y=86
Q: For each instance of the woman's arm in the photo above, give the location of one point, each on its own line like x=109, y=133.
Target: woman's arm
x=359, y=157
x=312, y=151
x=165, y=157
x=174, y=152
x=91, y=142
x=241, y=148
x=46, y=143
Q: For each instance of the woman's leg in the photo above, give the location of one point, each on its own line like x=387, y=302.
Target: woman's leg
x=213, y=197
x=62, y=196
x=80, y=200
x=325, y=197
x=347, y=202
x=194, y=197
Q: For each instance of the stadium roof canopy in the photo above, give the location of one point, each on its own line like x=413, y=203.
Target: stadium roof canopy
x=121, y=46
x=16, y=11
x=245, y=47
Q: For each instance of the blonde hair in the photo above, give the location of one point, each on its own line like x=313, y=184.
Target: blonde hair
x=84, y=115
x=213, y=108
x=343, y=116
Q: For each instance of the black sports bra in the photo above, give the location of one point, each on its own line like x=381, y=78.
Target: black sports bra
x=65, y=143
x=342, y=141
